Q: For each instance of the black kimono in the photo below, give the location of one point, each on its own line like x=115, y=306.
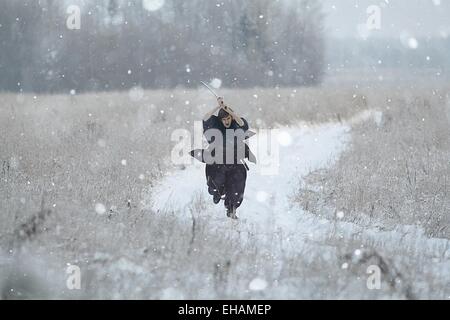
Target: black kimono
x=226, y=179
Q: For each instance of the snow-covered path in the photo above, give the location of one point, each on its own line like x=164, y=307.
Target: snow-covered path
x=267, y=198
x=268, y=205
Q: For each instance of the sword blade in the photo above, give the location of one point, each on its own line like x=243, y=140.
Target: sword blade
x=209, y=88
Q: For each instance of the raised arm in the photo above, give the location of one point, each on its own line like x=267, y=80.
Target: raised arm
x=238, y=119
x=210, y=114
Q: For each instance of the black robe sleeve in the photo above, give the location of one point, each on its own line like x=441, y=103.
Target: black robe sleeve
x=210, y=123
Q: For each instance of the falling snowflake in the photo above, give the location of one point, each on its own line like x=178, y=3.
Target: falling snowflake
x=284, y=139
x=262, y=196
x=152, y=5
x=100, y=208
x=216, y=83
x=413, y=43
x=257, y=284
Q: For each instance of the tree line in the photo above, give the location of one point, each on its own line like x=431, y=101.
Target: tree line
x=120, y=44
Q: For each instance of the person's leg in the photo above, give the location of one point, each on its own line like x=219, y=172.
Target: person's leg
x=210, y=172
x=235, y=186
x=215, y=176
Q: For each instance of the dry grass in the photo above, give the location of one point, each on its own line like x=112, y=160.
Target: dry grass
x=397, y=172
x=71, y=147
x=61, y=155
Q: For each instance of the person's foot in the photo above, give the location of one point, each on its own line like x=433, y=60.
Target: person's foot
x=231, y=213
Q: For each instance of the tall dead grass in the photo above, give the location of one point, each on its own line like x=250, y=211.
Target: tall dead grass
x=396, y=172
x=61, y=155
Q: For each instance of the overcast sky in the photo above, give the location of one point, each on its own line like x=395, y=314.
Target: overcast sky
x=416, y=17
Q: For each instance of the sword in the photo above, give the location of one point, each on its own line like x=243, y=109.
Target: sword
x=209, y=88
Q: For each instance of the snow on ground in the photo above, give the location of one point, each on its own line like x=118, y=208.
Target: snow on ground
x=268, y=206
x=266, y=199
x=302, y=256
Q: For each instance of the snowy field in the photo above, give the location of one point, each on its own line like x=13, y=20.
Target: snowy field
x=87, y=182
x=271, y=218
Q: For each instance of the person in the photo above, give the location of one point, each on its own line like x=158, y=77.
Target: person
x=226, y=175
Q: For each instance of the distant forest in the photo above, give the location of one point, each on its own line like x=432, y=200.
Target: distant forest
x=120, y=44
